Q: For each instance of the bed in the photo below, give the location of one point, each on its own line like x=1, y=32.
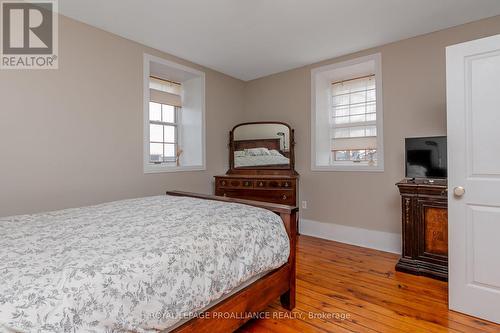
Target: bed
x=152, y=264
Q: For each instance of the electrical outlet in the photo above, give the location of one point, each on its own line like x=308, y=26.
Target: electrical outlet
x=304, y=204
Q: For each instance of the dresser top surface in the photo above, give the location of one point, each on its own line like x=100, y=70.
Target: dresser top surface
x=257, y=176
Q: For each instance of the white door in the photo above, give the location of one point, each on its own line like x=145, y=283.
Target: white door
x=473, y=102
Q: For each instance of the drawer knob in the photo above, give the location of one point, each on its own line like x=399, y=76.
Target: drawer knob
x=284, y=197
x=225, y=194
x=286, y=184
x=223, y=183
x=261, y=184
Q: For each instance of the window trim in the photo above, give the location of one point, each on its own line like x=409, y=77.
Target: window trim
x=364, y=167
x=164, y=167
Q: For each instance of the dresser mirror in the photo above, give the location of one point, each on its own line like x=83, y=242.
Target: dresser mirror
x=261, y=145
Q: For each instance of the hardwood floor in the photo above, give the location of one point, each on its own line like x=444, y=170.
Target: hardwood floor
x=345, y=288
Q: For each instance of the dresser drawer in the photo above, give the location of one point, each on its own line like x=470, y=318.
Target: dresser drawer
x=285, y=197
x=274, y=184
x=235, y=183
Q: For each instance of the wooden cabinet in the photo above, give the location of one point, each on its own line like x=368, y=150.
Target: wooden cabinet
x=280, y=189
x=424, y=228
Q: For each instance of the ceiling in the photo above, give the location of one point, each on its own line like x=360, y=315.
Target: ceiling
x=248, y=39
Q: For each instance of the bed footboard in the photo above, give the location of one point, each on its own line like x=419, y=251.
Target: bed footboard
x=257, y=296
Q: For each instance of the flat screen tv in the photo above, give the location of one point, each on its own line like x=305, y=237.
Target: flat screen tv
x=426, y=157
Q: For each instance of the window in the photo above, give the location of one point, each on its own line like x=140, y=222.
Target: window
x=347, y=116
x=163, y=129
x=174, y=116
x=354, y=120
x=165, y=105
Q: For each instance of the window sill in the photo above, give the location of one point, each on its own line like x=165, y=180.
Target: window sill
x=349, y=168
x=155, y=168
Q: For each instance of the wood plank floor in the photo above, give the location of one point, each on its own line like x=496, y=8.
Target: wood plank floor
x=345, y=288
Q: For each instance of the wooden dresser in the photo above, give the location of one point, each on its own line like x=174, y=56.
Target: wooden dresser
x=425, y=228
x=280, y=189
x=261, y=177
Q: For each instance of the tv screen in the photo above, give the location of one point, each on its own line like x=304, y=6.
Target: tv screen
x=426, y=157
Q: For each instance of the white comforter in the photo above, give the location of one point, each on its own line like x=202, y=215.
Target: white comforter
x=132, y=265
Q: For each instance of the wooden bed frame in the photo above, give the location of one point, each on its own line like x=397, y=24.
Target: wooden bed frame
x=258, y=295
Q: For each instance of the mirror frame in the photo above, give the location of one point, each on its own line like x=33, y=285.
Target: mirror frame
x=262, y=170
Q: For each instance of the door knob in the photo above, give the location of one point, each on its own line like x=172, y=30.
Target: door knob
x=458, y=191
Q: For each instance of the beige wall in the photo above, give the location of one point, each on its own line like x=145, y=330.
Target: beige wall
x=413, y=73
x=73, y=136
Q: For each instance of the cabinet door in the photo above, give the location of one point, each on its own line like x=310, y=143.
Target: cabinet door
x=432, y=228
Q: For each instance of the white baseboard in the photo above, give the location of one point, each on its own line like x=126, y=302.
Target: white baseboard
x=379, y=240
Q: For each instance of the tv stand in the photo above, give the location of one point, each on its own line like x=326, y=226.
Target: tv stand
x=425, y=227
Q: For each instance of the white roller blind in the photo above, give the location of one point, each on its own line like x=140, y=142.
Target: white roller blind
x=162, y=97
x=355, y=143
x=354, y=114
x=165, y=92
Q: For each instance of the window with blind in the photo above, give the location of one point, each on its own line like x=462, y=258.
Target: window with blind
x=354, y=120
x=347, y=118
x=164, y=112
x=173, y=117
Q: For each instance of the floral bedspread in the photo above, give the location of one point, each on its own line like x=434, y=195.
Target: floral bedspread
x=260, y=160
x=137, y=265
